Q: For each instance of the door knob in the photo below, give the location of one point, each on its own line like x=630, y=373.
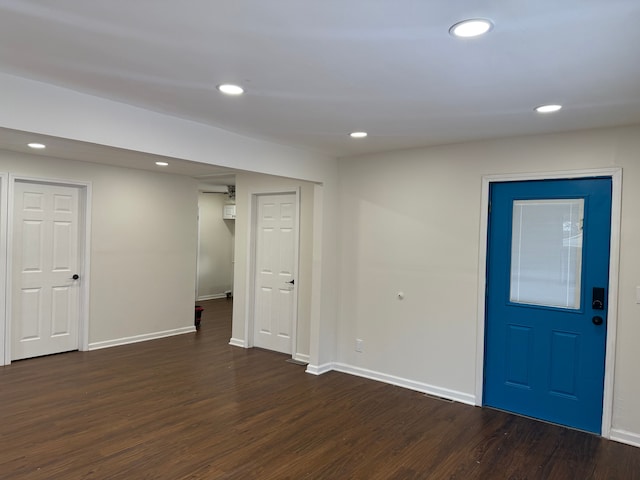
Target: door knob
x=597, y=320
x=75, y=276
x=292, y=282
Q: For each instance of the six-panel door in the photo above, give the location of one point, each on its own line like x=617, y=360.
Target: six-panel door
x=44, y=313
x=276, y=241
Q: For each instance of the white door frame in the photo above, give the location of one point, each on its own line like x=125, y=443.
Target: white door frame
x=198, y=252
x=4, y=214
x=252, y=214
x=614, y=267
x=84, y=229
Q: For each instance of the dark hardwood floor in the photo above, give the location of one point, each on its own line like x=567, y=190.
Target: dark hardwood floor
x=193, y=407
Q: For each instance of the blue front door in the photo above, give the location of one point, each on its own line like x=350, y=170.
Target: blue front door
x=546, y=309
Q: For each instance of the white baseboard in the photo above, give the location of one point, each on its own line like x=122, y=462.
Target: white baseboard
x=211, y=297
x=406, y=383
x=140, y=338
x=623, y=436
x=301, y=357
x=319, y=369
x=618, y=435
x=237, y=342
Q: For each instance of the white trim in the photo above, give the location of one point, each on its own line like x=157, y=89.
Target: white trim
x=315, y=313
x=198, y=252
x=238, y=342
x=250, y=272
x=319, y=369
x=252, y=206
x=9, y=267
x=140, y=338
x=215, y=296
x=612, y=305
x=455, y=395
x=614, y=263
x=84, y=250
x=86, y=194
x=301, y=357
x=4, y=313
x=624, y=436
x=296, y=275
x=406, y=383
x=482, y=287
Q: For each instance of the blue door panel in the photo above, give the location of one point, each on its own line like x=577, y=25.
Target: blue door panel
x=563, y=364
x=519, y=349
x=547, y=362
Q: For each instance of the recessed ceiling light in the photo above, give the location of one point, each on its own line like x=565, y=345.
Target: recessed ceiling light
x=548, y=108
x=230, y=89
x=39, y=146
x=358, y=134
x=473, y=27
x=162, y=164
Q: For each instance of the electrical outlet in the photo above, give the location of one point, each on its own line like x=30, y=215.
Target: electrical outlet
x=359, y=345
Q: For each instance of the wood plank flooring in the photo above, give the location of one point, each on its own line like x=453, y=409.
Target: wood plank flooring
x=193, y=407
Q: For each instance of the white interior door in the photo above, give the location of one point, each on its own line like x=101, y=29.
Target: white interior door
x=45, y=258
x=276, y=265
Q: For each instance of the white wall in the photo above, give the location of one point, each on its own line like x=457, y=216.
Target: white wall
x=43, y=108
x=246, y=185
x=215, y=248
x=38, y=107
x=410, y=220
x=143, y=245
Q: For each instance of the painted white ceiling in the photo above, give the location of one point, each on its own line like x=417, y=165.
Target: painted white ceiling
x=316, y=70
x=16, y=141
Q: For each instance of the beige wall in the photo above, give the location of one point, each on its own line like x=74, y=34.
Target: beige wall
x=143, y=245
x=410, y=222
x=246, y=185
x=38, y=107
x=215, y=249
x=402, y=221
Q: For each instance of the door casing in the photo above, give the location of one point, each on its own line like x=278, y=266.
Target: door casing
x=4, y=213
x=251, y=277
x=84, y=227
x=614, y=265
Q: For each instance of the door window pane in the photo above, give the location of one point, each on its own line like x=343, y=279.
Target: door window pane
x=546, y=252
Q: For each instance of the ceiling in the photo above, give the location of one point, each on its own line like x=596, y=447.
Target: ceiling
x=316, y=70
x=206, y=174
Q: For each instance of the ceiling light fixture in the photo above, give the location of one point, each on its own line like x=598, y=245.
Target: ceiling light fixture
x=162, y=164
x=358, y=134
x=548, y=108
x=473, y=27
x=230, y=89
x=37, y=146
